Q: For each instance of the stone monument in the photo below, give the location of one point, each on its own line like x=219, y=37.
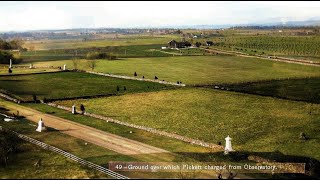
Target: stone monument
x=73, y=109
x=228, y=147
x=10, y=65
x=41, y=126
x=64, y=67
x=31, y=66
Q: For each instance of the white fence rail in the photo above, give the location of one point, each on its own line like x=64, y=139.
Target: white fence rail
x=70, y=156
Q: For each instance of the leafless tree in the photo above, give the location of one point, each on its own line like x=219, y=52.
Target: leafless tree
x=75, y=62
x=92, y=64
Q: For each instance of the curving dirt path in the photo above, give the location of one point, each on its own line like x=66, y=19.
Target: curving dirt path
x=107, y=140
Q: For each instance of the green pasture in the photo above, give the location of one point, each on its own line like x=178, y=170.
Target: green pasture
x=197, y=69
x=53, y=165
x=70, y=85
x=80, y=43
x=307, y=46
x=306, y=89
x=256, y=123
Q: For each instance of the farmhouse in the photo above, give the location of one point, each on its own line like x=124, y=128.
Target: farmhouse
x=175, y=44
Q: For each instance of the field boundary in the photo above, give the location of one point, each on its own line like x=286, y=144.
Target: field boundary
x=151, y=130
x=34, y=73
x=5, y=96
x=133, y=78
x=68, y=155
x=231, y=87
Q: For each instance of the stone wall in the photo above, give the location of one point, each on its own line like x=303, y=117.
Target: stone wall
x=9, y=98
x=133, y=78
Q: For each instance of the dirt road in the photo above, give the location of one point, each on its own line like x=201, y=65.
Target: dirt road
x=107, y=140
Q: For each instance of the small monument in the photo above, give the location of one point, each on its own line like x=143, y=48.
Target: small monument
x=64, y=67
x=41, y=126
x=228, y=147
x=73, y=109
x=10, y=65
x=31, y=66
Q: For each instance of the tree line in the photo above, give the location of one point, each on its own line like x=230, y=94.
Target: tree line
x=15, y=44
x=6, y=55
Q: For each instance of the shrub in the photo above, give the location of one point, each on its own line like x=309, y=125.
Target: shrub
x=34, y=97
x=118, y=89
x=135, y=74
x=6, y=56
x=124, y=88
x=10, y=144
x=155, y=77
x=82, y=108
x=100, y=55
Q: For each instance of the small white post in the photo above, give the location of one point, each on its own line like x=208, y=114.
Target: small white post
x=41, y=126
x=31, y=66
x=73, y=109
x=10, y=65
x=228, y=147
x=64, y=67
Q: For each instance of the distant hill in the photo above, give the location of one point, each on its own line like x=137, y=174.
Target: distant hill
x=278, y=21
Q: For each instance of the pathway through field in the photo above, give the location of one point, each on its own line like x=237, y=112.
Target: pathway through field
x=107, y=140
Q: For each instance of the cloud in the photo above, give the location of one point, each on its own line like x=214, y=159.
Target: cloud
x=59, y=15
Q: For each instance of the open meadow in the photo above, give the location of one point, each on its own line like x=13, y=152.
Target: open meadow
x=258, y=124
x=197, y=69
x=81, y=43
x=21, y=165
x=305, y=89
x=61, y=85
x=263, y=105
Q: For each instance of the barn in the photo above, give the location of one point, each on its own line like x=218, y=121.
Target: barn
x=176, y=44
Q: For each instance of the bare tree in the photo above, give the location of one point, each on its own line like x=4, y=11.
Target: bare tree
x=92, y=64
x=75, y=62
x=32, y=48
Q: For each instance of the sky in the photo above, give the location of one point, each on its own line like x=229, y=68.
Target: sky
x=33, y=15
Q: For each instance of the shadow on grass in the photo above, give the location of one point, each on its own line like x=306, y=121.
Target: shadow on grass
x=297, y=89
x=12, y=80
x=2, y=109
x=312, y=166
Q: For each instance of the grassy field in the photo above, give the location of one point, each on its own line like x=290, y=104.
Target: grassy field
x=123, y=41
x=89, y=152
x=187, y=51
x=118, y=51
x=296, y=89
x=186, y=152
x=53, y=166
x=183, y=151
x=21, y=165
x=70, y=85
x=199, y=69
x=257, y=124
x=26, y=70
x=307, y=46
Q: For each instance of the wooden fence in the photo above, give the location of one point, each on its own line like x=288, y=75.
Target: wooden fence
x=70, y=156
